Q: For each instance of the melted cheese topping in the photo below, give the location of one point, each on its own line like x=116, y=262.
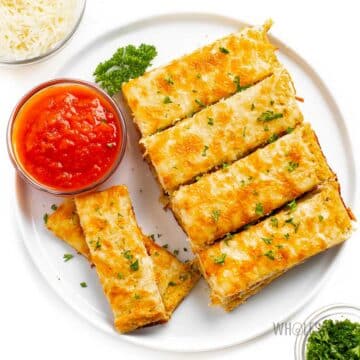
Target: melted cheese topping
x=250, y=188
x=271, y=247
x=173, y=278
x=223, y=132
x=119, y=255
x=167, y=94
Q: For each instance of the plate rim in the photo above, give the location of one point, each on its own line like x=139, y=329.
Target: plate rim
x=352, y=201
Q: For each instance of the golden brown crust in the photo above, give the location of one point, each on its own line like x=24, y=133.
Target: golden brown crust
x=65, y=224
x=254, y=257
x=223, y=132
x=170, y=93
x=250, y=188
x=117, y=250
x=167, y=268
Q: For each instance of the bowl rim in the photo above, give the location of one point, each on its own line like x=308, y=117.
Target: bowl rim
x=27, y=177
x=313, y=319
x=52, y=51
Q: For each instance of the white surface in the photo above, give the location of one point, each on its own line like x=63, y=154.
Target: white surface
x=29, y=308
x=259, y=313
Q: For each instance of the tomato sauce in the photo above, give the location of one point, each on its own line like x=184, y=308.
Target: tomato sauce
x=67, y=136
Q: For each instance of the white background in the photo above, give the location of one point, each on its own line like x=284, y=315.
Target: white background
x=34, y=323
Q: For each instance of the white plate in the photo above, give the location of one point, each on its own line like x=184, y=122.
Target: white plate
x=194, y=326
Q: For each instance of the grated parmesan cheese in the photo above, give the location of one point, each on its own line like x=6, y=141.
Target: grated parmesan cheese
x=30, y=28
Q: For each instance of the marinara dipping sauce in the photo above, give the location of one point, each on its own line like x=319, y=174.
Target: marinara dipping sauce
x=67, y=137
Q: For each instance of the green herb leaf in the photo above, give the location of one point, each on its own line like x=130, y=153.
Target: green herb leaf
x=206, y=148
x=274, y=222
x=266, y=240
x=199, y=102
x=176, y=252
x=270, y=254
x=321, y=218
x=224, y=50
x=252, y=106
x=127, y=255
x=54, y=207
x=135, y=265
x=220, y=260
x=67, y=257
x=137, y=297
x=46, y=218
x=126, y=63
x=239, y=88
x=167, y=100
x=273, y=138
x=289, y=130
x=172, y=283
x=210, y=121
x=83, y=284
x=152, y=236
x=169, y=80
x=269, y=115
x=120, y=275
x=292, y=205
x=215, y=215
x=259, y=209
x=292, y=166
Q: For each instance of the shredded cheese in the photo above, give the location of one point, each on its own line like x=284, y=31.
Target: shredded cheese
x=31, y=28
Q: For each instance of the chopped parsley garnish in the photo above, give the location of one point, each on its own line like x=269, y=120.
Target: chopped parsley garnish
x=228, y=237
x=176, y=252
x=185, y=249
x=127, y=254
x=46, y=218
x=252, y=106
x=165, y=246
x=206, y=148
x=135, y=265
x=272, y=102
x=224, y=165
x=266, y=240
x=289, y=130
x=270, y=254
x=167, y=100
x=67, y=257
x=286, y=236
x=292, y=205
x=244, y=132
x=169, y=80
x=274, y=222
x=97, y=245
x=259, y=209
x=279, y=246
x=291, y=222
x=215, y=215
x=152, y=236
x=137, y=297
x=269, y=115
x=210, y=121
x=292, y=166
x=127, y=63
x=172, y=283
x=199, y=102
x=198, y=76
x=321, y=218
x=273, y=138
x=54, y=207
x=83, y=284
x=334, y=340
x=224, y=50
x=120, y=275
x=220, y=260
x=239, y=88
